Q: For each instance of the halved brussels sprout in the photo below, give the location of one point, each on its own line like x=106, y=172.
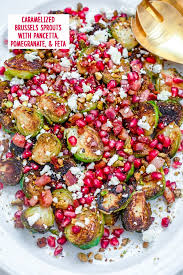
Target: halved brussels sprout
x=38, y=219
x=54, y=108
x=89, y=145
x=130, y=172
x=121, y=30
x=28, y=185
x=18, y=66
x=111, y=219
x=117, y=73
x=91, y=230
x=7, y=124
x=28, y=121
x=46, y=147
x=174, y=133
x=170, y=110
x=3, y=87
x=165, y=80
x=62, y=198
x=153, y=188
x=11, y=171
x=137, y=215
x=150, y=111
x=110, y=201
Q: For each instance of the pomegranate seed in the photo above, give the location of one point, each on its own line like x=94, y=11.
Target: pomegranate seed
x=97, y=17
x=59, y=215
x=80, y=123
x=28, y=145
x=112, y=84
x=104, y=243
x=119, y=145
x=17, y=51
x=90, y=174
x=51, y=241
x=98, y=124
x=100, y=65
x=151, y=59
x=14, y=89
x=102, y=118
x=105, y=141
x=106, y=232
x=120, y=176
x=156, y=175
x=9, y=155
x=56, y=129
x=82, y=201
x=132, y=77
x=97, y=183
x=166, y=142
x=72, y=140
x=114, y=241
x=126, y=167
x=99, y=174
x=159, y=146
x=177, y=80
x=62, y=240
x=103, y=134
x=107, y=154
x=154, y=143
x=76, y=229
x=89, y=199
x=161, y=138
x=88, y=182
x=112, y=143
x=65, y=221
x=166, y=171
x=26, y=169
x=174, y=91
x=34, y=166
x=140, y=131
x=153, y=154
x=19, y=194
x=161, y=125
x=94, y=113
x=18, y=214
x=137, y=163
x=165, y=222
x=26, y=154
x=1, y=186
x=107, y=170
x=117, y=232
x=89, y=118
x=69, y=214
x=135, y=99
x=2, y=70
x=59, y=185
x=58, y=250
x=133, y=123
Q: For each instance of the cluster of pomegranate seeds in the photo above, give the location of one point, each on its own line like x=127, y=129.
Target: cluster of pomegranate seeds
x=165, y=222
x=105, y=241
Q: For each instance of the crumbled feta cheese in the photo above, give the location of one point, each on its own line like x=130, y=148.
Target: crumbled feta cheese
x=98, y=153
x=72, y=102
x=48, y=153
x=46, y=170
x=109, y=124
x=150, y=168
x=74, y=149
x=70, y=75
x=99, y=37
x=31, y=56
x=44, y=87
x=125, y=53
x=164, y=95
x=80, y=224
x=143, y=123
x=33, y=219
x=114, y=181
x=122, y=93
x=91, y=166
x=33, y=93
x=86, y=88
x=75, y=170
x=157, y=68
x=65, y=62
x=87, y=221
x=23, y=97
x=115, y=55
x=16, y=104
x=148, y=236
x=16, y=81
x=96, y=95
x=78, y=210
x=113, y=160
x=87, y=28
x=55, y=200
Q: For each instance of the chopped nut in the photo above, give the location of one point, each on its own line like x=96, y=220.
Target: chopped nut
x=177, y=193
x=17, y=202
x=176, y=159
x=98, y=76
x=100, y=105
x=145, y=244
x=82, y=257
x=89, y=97
x=101, y=250
x=41, y=242
x=90, y=255
x=90, y=261
x=98, y=257
x=125, y=241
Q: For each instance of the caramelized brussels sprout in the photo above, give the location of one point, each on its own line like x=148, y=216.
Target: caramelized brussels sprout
x=3, y=87
x=11, y=171
x=137, y=215
x=62, y=198
x=46, y=147
x=38, y=219
x=122, y=32
x=149, y=111
x=153, y=188
x=54, y=108
x=92, y=228
x=174, y=133
x=89, y=146
x=7, y=124
x=111, y=219
x=170, y=110
x=28, y=185
x=28, y=121
x=165, y=80
x=110, y=200
x=18, y=66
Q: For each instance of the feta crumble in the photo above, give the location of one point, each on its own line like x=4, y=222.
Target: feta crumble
x=115, y=55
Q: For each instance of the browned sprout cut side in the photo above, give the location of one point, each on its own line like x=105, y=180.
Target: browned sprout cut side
x=10, y=171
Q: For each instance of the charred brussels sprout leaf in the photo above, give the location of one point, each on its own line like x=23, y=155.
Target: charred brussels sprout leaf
x=10, y=171
x=89, y=146
x=38, y=219
x=130, y=172
x=91, y=231
x=122, y=32
x=8, y=125
x=63, y=198
x=112, y=200
x=29, y=187
x=53, y=108
x=111, y=219
x=18, y=66
x=137, y=215
x=28, y=121
x=174, y=133
x=170, y=110
x=46, y=147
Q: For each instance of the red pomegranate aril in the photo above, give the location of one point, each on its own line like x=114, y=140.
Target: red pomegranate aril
x=82, y=201
x=99, y=174
x=59, y=215
x=135, y=99
x=112, y=84
x=166, y=171
x=76, y=229
x=69, y=214
x=70, y=208
x=89, y=174
x=88, y=182
x=177, y=80
x=56, y=129
x=19, y=194
x=154, y=143
x=14, y=89
x=103, y=134
x=98, y=124
x=126, y=167
x=58, y=250
x=153, y=154
x=89, y=118
x=156, y=175
x=17, y=51
x=166, y=142
x=97, y=17
x=132, y=77
x=9, y=155
x=151, y=59
x=139, y=146
x=26, y=154
x=161, y=138
x=59, y=185
x=89, y=199
x=34, y=166
x=165, y=222
x=18, y=214
x=137, y=163
x=2, y=70
x=131, y=158
x=97, y=183
x=28, y=145
x=94, y=113
x=105, y=141
x=102, y=118
x=120, y=176
x=161, y=125
x=140, y=131
x=174, y=91
x=106, y=232
x=104, y=243
x=107, y=170
x=114, y=241
x=62, y=240
x=1, y=185
x=112, y=143
x=133, y=123
x=117, y=232
x=100, y=65
x=65, y=221
x=72, y=140
x=107, y=155
x=26, y=169
x=80, y=123
x=159, y=146
x=51, y=241
x=119, y=145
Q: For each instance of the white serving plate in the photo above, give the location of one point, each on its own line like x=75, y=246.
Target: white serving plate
x=19, y=254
